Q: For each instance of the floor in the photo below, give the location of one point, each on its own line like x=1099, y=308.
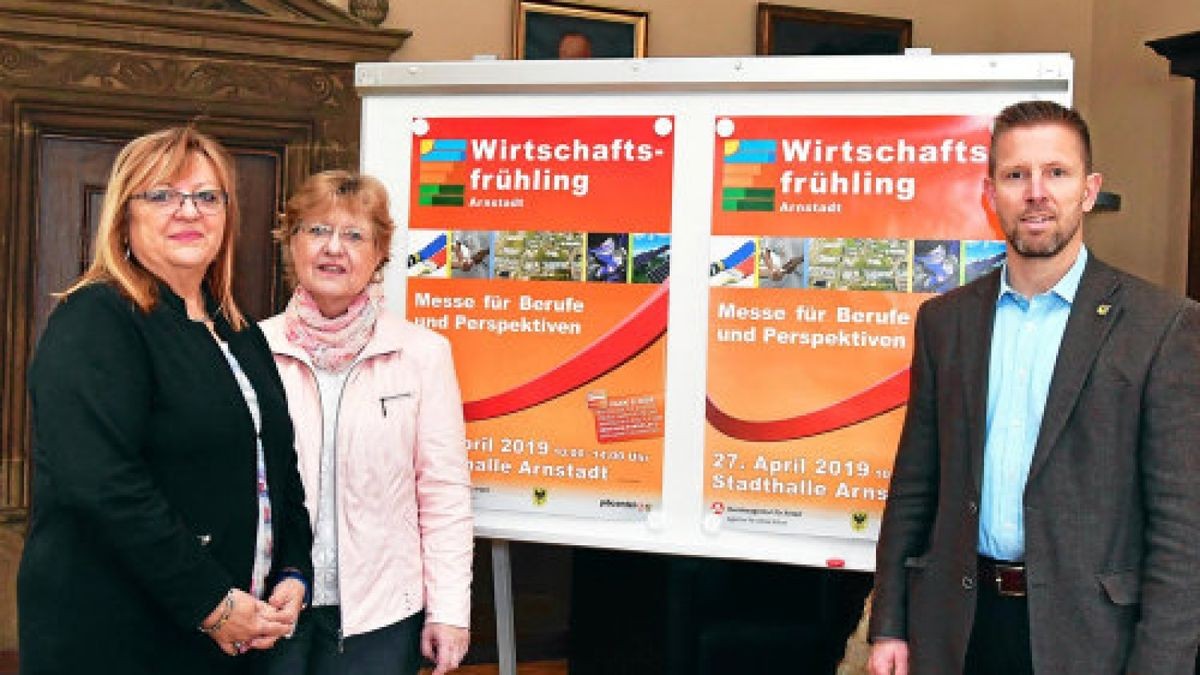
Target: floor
x=8, y=666
x=533, y=668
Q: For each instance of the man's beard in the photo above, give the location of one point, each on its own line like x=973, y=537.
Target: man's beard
x=1057, y=242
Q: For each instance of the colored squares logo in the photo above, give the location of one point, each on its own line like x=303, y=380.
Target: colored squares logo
x=442, y=178
x=743, y=186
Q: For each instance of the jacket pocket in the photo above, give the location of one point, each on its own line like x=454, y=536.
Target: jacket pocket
x=397, y=429
x=915, y=568
x=396, y=404
x=379, y=443
x=1122, y=588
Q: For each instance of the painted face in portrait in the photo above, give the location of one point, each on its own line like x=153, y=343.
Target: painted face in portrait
x=574, y=46
x=1041, y=189
x=176, y=228
x=334, y=256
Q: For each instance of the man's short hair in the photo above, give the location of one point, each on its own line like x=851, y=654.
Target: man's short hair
x=1037, y=113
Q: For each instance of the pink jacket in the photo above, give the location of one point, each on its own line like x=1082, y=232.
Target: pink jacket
x=403, y=483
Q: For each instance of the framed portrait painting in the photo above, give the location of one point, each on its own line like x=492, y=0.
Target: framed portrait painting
x=548, y=29
x=785, y=30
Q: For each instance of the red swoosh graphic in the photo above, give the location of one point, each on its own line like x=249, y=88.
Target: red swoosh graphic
x=885, y=395
x=639, y=330
x=621, y=343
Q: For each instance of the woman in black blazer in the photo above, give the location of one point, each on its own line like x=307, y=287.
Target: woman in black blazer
x=168, y=532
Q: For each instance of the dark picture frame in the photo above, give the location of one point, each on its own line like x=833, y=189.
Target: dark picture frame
x=786, y=30
x=607, y=32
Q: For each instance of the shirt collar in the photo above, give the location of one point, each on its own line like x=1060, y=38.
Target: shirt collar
x=1066, y=286
x=169, y=299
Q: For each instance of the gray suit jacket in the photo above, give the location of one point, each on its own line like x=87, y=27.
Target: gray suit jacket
x=1112, y=504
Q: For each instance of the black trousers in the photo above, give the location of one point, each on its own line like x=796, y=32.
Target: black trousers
x=1000, y=636
x=316, y=649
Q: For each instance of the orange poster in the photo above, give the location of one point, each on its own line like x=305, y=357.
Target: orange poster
x=828, y=234
x=540, y=247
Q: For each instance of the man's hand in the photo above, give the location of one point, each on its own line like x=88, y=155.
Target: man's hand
x=444, y=645
x=889, y=656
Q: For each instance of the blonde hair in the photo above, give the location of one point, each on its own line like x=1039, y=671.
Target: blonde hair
x=358, y=194
x=149, y=160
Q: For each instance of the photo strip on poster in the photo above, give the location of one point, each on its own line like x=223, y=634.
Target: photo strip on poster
x=827, y=235
x=541, y=247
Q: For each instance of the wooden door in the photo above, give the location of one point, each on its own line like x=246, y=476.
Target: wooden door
x=71, y=177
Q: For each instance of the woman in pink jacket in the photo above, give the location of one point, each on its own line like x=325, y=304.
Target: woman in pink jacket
x=379, y=435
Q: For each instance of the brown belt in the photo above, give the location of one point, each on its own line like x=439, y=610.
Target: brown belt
x=1008, y=578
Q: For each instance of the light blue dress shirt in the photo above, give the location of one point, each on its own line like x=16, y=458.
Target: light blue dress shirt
x=1025, y=341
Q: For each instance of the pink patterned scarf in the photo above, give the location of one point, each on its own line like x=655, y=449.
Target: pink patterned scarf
x=332, y=343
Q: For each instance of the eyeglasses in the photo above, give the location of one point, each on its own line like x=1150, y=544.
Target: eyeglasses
x=208, y=202
x=320, y=232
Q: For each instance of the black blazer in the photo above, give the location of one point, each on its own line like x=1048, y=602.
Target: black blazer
x=1112, y=502
x=144, y=487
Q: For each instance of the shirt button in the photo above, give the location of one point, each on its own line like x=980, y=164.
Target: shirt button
x=972, y=507
x=968, y=582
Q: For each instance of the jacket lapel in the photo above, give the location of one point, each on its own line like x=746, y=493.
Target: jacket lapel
x=976, y=324
x=1093, y=314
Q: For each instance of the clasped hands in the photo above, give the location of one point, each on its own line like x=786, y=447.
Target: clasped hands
x=253, y=623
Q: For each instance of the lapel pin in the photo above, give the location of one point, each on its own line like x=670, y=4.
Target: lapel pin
x=1102, y=310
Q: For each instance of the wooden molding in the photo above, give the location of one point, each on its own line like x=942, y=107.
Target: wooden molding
x=207, y=79
x=134, y=26
x=1183, y=53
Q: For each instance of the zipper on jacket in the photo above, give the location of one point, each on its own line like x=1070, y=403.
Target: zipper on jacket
x=338, y=477
x=341, y=638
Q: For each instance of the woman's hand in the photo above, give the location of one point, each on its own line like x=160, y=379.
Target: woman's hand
x=251, y=623
x=287, y=599
x=444, y=645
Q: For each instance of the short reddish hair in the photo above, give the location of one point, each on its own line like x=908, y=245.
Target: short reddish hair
x=1037, y=113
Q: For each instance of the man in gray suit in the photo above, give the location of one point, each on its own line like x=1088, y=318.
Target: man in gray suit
x=1044, y=512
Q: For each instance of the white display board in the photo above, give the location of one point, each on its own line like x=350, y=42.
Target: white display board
x=695, y=93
